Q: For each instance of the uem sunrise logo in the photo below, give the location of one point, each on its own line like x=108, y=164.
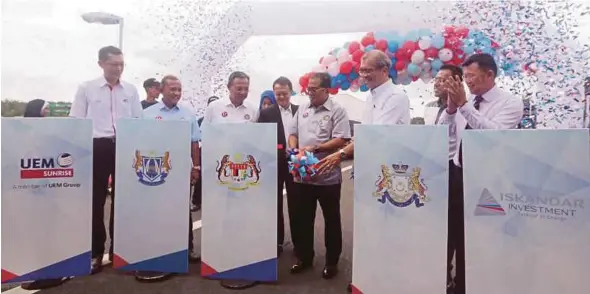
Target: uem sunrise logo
x=543, y=207
x=47, y=167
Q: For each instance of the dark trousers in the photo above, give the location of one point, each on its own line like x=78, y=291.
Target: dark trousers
x=103, y=166
x=190, y=232
x=456, y=229
x=307, y=199
x=197, y=192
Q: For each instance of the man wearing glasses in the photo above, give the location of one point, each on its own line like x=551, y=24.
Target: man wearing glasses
x=320, y=126
x=386, y=104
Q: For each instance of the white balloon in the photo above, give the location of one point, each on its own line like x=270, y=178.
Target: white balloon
x=445, y=54
x=424, y=43
x=342, y=53
x=418, y=57
x=334, y=68
x=426, y=66
x=328, y=59
x=319, y=68
x=344, y=58
x=426, y=77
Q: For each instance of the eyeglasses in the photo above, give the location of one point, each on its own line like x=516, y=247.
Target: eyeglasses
x=314, y=89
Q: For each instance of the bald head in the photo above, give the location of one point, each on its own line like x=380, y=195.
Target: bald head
x=377, y=58
x=374, y=69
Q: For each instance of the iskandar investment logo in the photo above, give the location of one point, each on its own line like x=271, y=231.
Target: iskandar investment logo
x=555, y=208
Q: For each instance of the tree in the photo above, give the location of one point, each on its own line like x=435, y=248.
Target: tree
x=12, y=108
x=417, y=121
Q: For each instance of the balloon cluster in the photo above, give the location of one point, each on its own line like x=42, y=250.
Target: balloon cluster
x=418, y=55
x=302, y=165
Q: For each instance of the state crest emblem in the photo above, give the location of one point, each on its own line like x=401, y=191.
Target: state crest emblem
x=152, y=170
x=240, y=172
x=400, y=188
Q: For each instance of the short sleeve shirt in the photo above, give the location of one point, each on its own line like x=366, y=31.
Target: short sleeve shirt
x=179, y=112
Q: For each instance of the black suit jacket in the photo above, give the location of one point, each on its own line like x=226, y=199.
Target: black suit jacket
x=273, y=115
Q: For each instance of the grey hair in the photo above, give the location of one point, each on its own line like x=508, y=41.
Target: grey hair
x=381, y=59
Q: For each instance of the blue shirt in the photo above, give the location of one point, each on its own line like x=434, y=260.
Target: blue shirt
x=178, y=112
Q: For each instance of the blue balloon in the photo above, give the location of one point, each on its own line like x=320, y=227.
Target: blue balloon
x=392, y=73
x=438, y=41
x=364, y=88
x=334, y=83
x=392, y=45
x=487, y=50
x=369, y=48
x=341, y=78
x=412, y=36
x=380, y=35
x=468, y=49
x=436, y=64
x=345, y=85
x=393, y=36
x=393, y=62
x=434, y=72
x=413, y=69
x=424, y=32
x=353, y=75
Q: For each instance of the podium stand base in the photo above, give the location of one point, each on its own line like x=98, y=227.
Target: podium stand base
x=152, y=277
x=237, y=285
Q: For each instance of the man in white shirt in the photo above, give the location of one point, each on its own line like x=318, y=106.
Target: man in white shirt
x=104, y=100
x=282, y=114
x=234, y=109
x=433, y=110
x=489, y=108
x=386, y=104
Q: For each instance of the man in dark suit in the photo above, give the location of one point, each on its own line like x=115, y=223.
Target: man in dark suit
x=197, y=193
x=282, y=114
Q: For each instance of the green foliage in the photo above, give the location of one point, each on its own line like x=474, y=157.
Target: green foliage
x=417, y=121
x=12, y=108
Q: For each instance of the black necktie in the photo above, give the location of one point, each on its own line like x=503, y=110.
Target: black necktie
x=476, y=103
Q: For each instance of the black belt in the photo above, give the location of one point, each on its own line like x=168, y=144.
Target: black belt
x=110, y=139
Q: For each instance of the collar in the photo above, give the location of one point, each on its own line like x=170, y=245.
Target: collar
x=285, y=109
x=490, y=95
x=382, y=88
x=328, y=104
x=228, y=103
x=163, y=106
x=103, y=82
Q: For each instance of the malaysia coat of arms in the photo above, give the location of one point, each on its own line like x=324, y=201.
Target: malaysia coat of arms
x=238, y=172
x=400, y=187
x=152, y=169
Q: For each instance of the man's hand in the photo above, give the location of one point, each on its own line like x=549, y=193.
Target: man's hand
x=451, y=106
x=195, y=174
x=454, y=86
x=307, y=148
x=328, y=163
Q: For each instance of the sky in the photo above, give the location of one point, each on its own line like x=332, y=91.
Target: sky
x=47, y=49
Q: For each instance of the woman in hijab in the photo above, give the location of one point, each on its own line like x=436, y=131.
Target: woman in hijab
x=36, y=108
x=267, y=99
x=39, y=108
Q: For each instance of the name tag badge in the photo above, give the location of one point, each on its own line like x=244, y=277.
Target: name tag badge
x=224, y=114
x=305, y=114
x=247, y=117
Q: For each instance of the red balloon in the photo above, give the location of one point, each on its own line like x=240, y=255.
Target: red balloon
x=431, y=52
x=357, y=55
x=414, y=79
x=382, y=45
x=462, y=32
x=333, y=91
x=368, y=40
x=346, y=67
x=402, y=55
x=400, y=65
x=304, y=80
x=353, y=47
x=449, y=31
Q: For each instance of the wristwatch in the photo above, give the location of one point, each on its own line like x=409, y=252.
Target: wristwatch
x=342, y=154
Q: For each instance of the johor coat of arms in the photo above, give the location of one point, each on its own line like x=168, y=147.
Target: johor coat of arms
x=399, y=187
x=152, y=170
x=238, y=173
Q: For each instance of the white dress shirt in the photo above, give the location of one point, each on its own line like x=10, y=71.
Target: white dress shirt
x=287, y=117
x=105, y=104
x=223, y=111
x=498, y=110
x=387, y=105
